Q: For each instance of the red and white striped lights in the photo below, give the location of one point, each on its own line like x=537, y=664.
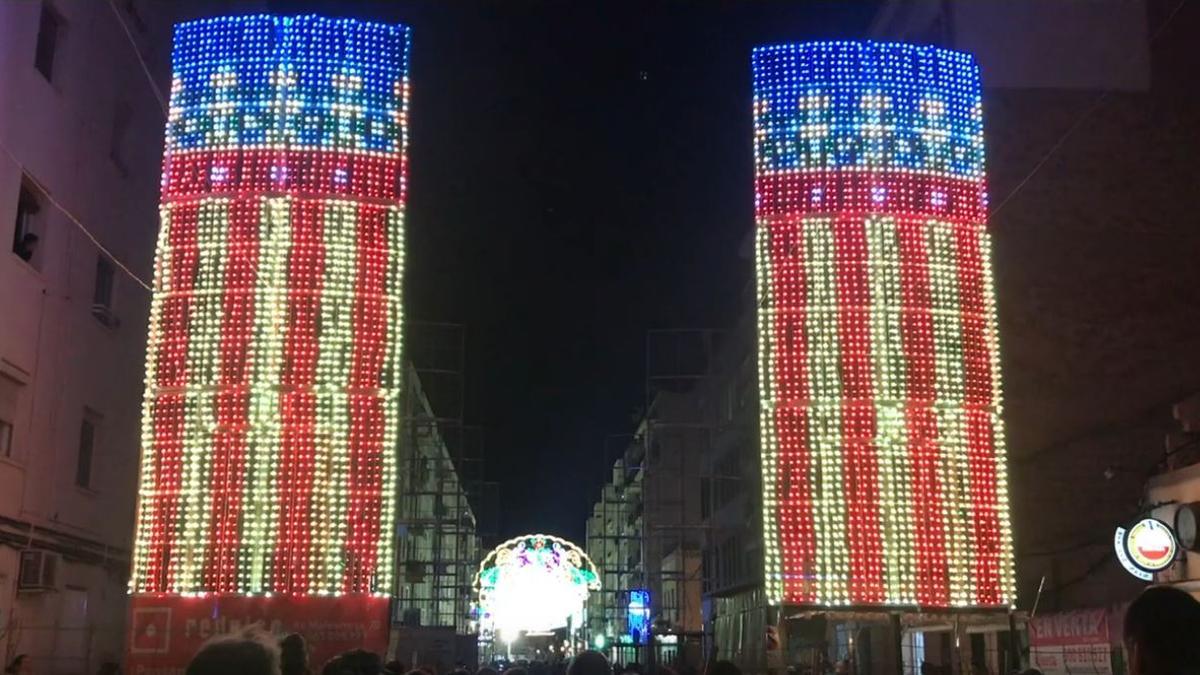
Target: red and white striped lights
x=884, y=471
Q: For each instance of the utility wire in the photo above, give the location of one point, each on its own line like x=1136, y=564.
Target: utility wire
x=1136, y=421
x=162, y=100
x=1082, y=118
x=70, y=216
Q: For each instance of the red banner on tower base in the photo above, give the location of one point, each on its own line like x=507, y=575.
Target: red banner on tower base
x=166, y=631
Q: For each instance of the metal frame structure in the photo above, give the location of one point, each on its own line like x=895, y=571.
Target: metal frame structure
x=650, y=528
x=442, y=490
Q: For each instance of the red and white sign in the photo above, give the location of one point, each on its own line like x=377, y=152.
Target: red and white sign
x=1151, y=545
x=1071, y=642
x=166, y=631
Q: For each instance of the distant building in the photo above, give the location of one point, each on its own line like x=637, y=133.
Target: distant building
x=80, y=130
x=438, y=546
x=438, y=542
x=736, y=610
x=646, y=534
x=614, y=544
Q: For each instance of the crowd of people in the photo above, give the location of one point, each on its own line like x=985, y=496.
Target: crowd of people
x=1161, y=637
x=255, y=652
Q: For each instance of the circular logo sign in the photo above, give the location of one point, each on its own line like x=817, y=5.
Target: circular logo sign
x=1151, y=545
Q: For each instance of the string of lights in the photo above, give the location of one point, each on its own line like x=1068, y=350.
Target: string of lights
x=158, y=95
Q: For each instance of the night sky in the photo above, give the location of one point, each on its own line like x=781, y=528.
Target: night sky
x=580, y=173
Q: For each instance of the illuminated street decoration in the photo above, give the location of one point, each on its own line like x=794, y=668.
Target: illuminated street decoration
x=883, y=458
x=638, y=616
x=273, y=365
x=1148, y=547
x=534, y=583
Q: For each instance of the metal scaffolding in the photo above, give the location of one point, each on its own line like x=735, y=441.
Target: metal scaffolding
x=442, y=490
x=651, y=527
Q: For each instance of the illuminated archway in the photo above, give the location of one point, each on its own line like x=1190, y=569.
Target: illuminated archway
x=533, y=583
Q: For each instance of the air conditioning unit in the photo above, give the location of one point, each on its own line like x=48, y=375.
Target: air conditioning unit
x=39, y=570
x=104, y=315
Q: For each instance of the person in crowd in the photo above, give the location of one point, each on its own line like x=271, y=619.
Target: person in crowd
x=459, y=671
x=1162, y=627
x=250, y=652
x=395, y=667
x=353, y=662
x=486, y=670
x=589, y=662
x=19, y=665
x=724, y=668
x=516, y=670
x=293, y=655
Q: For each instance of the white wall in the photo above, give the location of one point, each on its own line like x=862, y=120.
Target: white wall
x=59, y=132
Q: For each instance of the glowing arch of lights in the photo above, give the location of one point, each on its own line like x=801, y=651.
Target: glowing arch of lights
x=534, y=583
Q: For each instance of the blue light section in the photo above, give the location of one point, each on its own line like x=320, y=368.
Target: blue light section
x=884, y=105
x=639, y=616
x=302, y=82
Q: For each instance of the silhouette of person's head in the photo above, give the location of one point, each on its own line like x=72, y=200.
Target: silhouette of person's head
x=251, y=652
x=1161, y=629
x=293, y=655
x=724, y=668
x=354, y=662
x=589, y=662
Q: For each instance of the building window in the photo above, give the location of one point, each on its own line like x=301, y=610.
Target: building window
x=25, y=231
x=102, y=292
x=87, y=449
x=49, y=33
x=10, y=396
x=6, y=431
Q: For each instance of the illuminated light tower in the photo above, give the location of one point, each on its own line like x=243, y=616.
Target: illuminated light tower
x=883, y=458
x=273, y=364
